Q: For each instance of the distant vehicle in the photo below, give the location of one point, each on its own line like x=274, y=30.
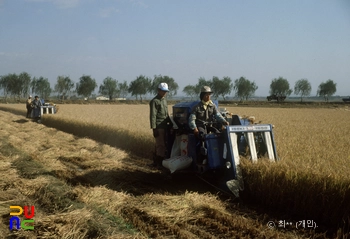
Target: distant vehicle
x=346, y=99
x=276, y=97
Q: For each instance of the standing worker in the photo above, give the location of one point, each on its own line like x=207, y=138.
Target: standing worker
x=29, y=107
x=36, y=108
x=160, y=122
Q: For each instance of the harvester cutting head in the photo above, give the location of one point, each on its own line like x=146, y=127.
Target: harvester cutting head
x=217, y=154
x=249, y=140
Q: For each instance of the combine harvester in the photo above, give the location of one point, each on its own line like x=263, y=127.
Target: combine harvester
x=45, y=108
x=216, y=157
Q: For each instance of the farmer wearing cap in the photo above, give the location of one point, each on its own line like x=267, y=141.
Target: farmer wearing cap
x=29, y=106
x=160, y=121
x=205, y=111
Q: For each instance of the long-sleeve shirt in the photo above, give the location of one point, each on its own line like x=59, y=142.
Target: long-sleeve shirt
x=204, y=112
x=29, y=103
x=36, y=108
x=159, y=116
x=36, y=104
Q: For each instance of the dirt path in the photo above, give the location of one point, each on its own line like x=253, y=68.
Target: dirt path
x=84, y=189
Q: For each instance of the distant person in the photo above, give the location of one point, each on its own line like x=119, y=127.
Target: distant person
x=160, y=122
x=36, y=107
x=29, y=107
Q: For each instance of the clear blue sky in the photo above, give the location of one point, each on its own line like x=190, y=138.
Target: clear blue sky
x=184, y=39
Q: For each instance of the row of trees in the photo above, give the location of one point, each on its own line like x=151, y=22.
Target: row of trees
x=21, y=85
x=280, y=87
x=143, y=85
x=87, y=85
x=245, y=89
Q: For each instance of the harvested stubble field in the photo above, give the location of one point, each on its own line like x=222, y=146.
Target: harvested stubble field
x=85, y=171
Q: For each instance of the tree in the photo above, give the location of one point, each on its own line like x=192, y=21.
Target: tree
x=15, y=85
x=109, y=87
x=221, y=87
x=123, y=89
x=64, y=85
x=24, y=80
x=244, y=88
x=5, y=85
x=327, y=89
x=190, y=90
x=303, y=88
x=41, y=86
x=2, y=84
x=86, y=86
x=280, y=87
x=140, y=86
x=173, y=86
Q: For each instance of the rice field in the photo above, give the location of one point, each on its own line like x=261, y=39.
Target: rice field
x=313, y=139
x=311, y=179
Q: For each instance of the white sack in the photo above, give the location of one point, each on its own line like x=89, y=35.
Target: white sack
x=177, y=163
x=175, y=150
x=184, y=145
x=179, y=146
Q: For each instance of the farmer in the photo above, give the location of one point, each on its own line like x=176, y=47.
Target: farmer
x=29, y=106
x=36, y=107
x=160, y=122
x=205, y=111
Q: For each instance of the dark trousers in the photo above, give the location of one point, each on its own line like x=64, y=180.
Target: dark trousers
x=160, y=143
x=29, y=112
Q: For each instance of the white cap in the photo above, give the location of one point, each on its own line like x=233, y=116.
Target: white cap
x=163, y=87
x=206, y=89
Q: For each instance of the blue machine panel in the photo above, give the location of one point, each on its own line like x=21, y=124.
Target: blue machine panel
x=181, y=113
x=213, y=143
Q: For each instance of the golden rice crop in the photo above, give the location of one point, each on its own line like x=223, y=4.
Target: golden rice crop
x=315, y=139
x=312, y=176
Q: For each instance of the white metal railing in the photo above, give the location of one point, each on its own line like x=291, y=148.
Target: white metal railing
x=49, y=109
x=248, y=131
